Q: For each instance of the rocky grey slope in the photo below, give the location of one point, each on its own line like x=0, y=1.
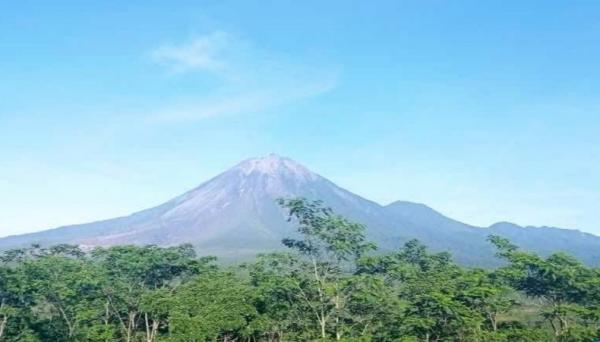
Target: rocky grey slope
x=234, y=215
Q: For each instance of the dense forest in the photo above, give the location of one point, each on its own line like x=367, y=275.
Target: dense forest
x=331, y=284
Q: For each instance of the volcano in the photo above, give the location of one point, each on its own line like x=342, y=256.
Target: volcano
x=235, y=216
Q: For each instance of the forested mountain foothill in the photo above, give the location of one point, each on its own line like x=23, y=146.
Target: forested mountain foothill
x=331, y=284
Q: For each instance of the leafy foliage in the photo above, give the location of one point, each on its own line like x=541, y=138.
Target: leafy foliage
x=331, y=285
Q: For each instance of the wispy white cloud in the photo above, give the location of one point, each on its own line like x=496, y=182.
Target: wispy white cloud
x=249, y=102
x=202, y=53
x=250, y=80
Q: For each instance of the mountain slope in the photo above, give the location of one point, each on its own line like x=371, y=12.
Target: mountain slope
x=234, y=215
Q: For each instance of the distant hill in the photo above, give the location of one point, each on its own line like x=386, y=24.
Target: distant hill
x=234, y=216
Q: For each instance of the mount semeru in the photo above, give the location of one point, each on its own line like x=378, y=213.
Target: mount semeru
x=235, y=216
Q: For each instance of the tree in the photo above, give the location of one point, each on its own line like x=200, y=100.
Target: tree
x=214, y=306
x=327, y=243
x=133, y=278
x=560, y=280
x=430, y=286
x=373, y=308
x=67, y=289
x=280, y=281
x=482, y=291
x=6, y=299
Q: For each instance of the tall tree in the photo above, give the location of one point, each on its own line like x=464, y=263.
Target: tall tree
x=559, y=280
x=329, y=244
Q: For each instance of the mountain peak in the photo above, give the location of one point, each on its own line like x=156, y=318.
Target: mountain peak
x=274, y=165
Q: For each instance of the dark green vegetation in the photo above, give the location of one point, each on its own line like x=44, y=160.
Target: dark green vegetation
x=330, y=286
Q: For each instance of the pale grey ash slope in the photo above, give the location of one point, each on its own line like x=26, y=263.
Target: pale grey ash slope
x=234, y=215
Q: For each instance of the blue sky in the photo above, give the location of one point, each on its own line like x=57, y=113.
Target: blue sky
x=485, y=111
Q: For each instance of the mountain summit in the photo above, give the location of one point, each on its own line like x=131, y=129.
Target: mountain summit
x=274, y=166
x=234, y=215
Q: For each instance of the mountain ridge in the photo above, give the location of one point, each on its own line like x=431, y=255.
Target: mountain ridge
x=234, y=215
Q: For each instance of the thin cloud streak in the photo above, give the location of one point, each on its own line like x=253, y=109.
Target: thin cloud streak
x=251, y=80
x=245, y=102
